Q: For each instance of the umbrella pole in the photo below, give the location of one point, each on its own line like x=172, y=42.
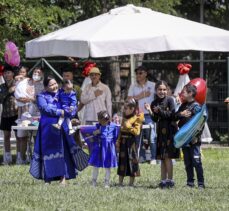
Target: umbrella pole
x=228, y=96
x=132, y=68
x=36, y=65
x=58, y=75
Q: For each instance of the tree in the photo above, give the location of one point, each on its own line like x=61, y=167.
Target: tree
x=22, y=20
x=216, y=12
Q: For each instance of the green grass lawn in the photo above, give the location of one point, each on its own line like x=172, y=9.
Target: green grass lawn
x=19, y=191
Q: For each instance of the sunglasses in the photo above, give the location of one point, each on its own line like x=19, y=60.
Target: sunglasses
x=139, y=73
x=94, y=74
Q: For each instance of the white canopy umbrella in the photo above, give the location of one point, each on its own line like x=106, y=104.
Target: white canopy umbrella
x=128, y=30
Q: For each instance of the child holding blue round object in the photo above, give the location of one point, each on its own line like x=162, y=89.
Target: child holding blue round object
x=103, y=154
x=192, y=151
x=162, y=110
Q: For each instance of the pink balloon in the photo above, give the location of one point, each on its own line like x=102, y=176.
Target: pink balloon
x=11, y=55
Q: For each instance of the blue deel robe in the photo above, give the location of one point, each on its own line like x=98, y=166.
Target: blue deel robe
x=102, y=146
x=55, y=153
x=68, y=100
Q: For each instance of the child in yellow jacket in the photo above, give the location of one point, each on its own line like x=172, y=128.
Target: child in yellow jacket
x=126, y=144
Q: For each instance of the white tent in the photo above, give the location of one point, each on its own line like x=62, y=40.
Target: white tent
x=128, y=30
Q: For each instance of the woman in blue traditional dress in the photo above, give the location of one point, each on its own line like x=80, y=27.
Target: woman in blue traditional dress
x=56, y=155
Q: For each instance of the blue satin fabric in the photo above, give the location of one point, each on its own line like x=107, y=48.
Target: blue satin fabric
x=55, y=152
x=102, y=146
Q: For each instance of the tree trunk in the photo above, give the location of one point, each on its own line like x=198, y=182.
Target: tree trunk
x=115, y=83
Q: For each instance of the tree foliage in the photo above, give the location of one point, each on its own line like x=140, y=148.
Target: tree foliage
x=92, y=8
x=216, y=12
x=22, y=20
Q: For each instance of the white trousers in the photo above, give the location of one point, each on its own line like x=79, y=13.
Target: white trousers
x=95, y=173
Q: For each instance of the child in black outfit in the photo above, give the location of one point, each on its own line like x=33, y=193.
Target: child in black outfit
x=192, y=154
x=162, y=110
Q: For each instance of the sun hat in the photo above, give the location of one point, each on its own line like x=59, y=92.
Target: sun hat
x=95, y=70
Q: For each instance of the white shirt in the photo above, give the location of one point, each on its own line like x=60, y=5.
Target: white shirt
x=94, y=104
x=136, y=89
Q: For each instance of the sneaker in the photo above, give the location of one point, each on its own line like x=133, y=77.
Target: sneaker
x=159, y=162
x=190, y=185
x=47, y=183
x=131, y=185
x=170, y=184
x=71, y=131
x=148, y=155
x=162, y=185
x=153, y=162
x=19, y=161
x=107, y=184
x=7, y=159
x=201, y=186
x=120, y=185
x=141, y=160
x=94, y=183
x=24, y=162
x=57, y=126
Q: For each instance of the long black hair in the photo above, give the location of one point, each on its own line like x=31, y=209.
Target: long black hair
x=47, y=79
x=159, y=83
x=132, y=103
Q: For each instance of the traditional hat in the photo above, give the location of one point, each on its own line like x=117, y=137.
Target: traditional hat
x=95, y=70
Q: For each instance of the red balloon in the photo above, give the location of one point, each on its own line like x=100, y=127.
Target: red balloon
x=201, y=86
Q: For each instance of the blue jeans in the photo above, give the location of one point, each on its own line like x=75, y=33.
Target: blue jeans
x=192, y=159
x=150, y=135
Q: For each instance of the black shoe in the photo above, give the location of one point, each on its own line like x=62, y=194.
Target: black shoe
x=190, y=185
x=170, y=184
x=162, y=185
x=201, y=186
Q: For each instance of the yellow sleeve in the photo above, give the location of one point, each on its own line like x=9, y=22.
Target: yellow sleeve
x=135, y=128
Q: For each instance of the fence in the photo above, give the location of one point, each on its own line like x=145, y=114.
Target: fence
x=216, y=74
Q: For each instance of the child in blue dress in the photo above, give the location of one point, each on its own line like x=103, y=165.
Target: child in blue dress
x=102, y=147
x=67, y=98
